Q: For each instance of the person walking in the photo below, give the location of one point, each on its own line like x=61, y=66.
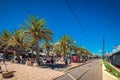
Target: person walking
x=66, y=60
x=40, y=60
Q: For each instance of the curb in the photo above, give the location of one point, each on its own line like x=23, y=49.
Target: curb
x=107, y=73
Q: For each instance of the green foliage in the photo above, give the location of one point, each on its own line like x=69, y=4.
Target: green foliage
x=63, y=45
x=35, y=27
x=47, y=46
x=15, y=40
x=32, y=32
x=111, y=70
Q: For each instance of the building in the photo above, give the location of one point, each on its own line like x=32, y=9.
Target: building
x=114, y=58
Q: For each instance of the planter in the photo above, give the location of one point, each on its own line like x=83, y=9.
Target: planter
x=7, y=74
x=108, y=72
x=28, y=63
x=35, y=64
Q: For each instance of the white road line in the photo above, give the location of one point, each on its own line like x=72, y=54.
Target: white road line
x=71, y=76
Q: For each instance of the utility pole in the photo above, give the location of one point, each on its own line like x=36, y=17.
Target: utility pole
x=103, y=46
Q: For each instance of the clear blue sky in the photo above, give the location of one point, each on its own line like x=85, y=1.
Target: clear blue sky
x=100, y=18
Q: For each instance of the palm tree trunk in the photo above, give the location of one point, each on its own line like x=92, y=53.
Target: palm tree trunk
x=4, y=56
x=32, y=50
x=4, y=60
x=47, y=51
x=64, y=52
x=18, y=56
x=66, y=56
x=37, y=51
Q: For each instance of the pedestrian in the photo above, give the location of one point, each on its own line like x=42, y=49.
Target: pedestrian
x=52, y=59
x=21, y=60
x=48, y=59
x=40, y=60
x=66, y=60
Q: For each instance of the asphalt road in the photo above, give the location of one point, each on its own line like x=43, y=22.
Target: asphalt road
x=90, y=71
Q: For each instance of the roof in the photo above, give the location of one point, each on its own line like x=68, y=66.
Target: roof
x=116, y=50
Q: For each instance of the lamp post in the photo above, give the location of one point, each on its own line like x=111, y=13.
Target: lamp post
x=103, y=45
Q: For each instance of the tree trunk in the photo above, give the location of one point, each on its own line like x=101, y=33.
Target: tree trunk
x=47, y=52
x=4, y=60
x=18, y=56
x=32, y=50
x=37, y=51
x=64, y=52
x=4, y=56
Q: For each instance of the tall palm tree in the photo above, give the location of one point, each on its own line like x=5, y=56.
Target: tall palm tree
x=84, y=52
x=75, y=48
x=36, y=29
x=31, y=43
x=64, y=44
x=48, y=46
x=56, y=48
x=18, y=40
x=15, y=40
x=5, y=36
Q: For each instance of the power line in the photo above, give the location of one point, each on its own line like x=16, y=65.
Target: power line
x=77, y=19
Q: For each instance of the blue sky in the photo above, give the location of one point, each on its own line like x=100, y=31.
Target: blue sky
x=100, y=18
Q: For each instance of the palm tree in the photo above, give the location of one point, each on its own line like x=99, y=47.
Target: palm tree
x=31, y=43
x=84, y=52
x=19, y=41
x=4, y=38
x=56, y=48
x=36, y=29
x=15, y=40
x=48, y=46
x=64, y=44
x=87, y=53
x=81, y=52
x=75, y=48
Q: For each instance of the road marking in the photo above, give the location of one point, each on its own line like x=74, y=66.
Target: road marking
x=71, y=76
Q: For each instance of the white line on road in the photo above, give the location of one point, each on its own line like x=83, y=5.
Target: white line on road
x=71, y=76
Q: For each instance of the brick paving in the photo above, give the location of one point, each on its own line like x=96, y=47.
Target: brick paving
x=23, y=72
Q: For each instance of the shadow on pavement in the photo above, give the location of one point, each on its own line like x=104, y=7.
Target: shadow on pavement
x=54, y=66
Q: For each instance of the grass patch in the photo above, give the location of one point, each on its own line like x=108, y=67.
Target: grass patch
x=111, y=70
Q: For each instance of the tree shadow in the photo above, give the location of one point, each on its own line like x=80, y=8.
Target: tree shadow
x=54, y=66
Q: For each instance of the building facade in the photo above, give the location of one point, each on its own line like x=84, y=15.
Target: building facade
x=114, y=58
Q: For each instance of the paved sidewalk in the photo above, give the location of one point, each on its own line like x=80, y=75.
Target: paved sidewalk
x=23, y=72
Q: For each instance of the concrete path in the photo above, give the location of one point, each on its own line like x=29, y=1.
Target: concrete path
x=90, y=71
